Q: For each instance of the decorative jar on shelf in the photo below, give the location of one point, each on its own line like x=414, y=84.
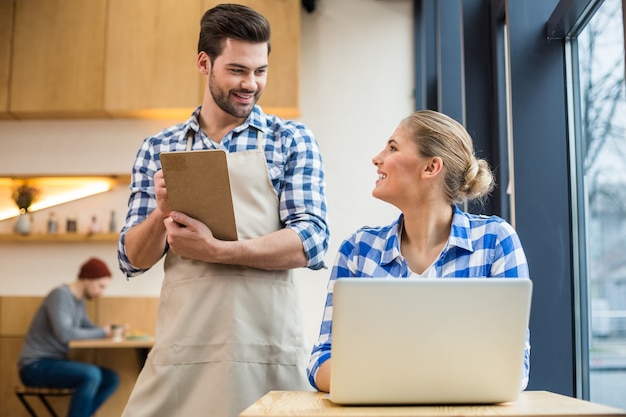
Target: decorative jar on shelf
x=22, y=225
x=24, y=195
x=53, y=225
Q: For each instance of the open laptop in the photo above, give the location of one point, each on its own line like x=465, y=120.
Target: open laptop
x=428, y=341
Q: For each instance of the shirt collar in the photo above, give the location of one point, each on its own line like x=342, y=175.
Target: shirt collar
x=192, y=123
x=392, y=242
x=460, y=232
x=256, y=119
x=460, y=236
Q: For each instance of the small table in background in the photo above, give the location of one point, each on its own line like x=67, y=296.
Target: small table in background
x=142, y=344
x=125, y=357
x=109, y=343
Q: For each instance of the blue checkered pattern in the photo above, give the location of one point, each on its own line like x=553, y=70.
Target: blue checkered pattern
x=478, y=246
x=295, y=168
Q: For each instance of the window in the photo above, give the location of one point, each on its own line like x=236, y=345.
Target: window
x=597, y=68
x=553, y=117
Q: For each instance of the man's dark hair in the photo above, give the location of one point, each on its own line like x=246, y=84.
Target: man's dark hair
x=232, y=21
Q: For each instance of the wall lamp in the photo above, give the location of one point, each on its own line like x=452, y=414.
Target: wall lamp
x=53, y=191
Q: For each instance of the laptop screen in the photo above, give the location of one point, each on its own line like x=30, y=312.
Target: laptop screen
x=428, y=341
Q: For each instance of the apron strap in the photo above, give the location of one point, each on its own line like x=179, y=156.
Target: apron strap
x=259, y=140
x=189, y=136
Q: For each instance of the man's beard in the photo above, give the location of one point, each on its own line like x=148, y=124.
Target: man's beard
x=224, y=102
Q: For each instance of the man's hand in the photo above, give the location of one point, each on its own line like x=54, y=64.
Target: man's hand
x=145, y=241
x=162, y=202
x=190, y=238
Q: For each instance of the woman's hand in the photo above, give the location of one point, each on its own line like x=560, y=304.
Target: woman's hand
x=322, y=379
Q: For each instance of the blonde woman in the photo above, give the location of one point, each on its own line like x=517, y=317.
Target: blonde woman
x=427, y=167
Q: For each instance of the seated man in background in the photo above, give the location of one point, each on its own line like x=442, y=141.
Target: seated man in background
x=44, y=362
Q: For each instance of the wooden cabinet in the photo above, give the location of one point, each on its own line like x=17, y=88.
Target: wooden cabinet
x=150, y=67
x=120, y=58
x=151, y=57
x=6, y=28
x=57, y=63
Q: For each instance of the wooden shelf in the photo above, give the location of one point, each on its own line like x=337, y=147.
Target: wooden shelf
x=60, y=237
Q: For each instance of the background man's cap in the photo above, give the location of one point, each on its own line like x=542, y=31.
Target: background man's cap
x=94, y=268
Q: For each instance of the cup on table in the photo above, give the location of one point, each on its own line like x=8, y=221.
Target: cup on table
x=116, y=332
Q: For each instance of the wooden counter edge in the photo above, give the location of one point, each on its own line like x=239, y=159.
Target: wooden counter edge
x=111, y=344
x=530, y=403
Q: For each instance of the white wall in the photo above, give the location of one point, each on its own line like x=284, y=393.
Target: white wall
x=356, y=85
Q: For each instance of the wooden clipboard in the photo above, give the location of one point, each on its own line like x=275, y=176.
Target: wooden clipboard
x=198, y=185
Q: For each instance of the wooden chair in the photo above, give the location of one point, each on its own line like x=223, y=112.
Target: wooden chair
x=41, y=393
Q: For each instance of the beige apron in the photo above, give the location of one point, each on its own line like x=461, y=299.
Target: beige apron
x=225, y=335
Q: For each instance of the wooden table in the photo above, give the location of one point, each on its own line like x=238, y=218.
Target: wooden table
x=142, y=345
x=125, y=357
x=111, y=343
x=530, y=403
